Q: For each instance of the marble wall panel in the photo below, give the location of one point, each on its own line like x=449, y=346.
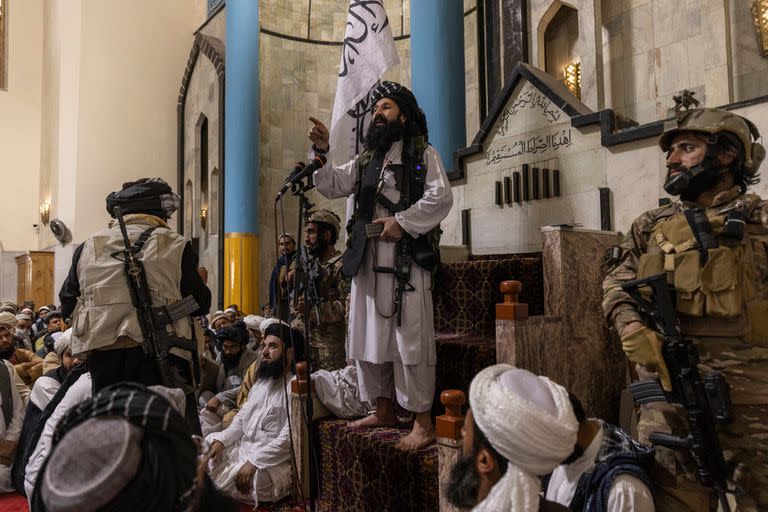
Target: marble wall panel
x=471, y=71
x=287, y=17
x=573, y=348
x=638, y=29
x=635, y=177
x=671, y=68
x=750, y=68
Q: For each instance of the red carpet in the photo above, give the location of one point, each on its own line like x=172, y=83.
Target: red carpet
x=13, y=503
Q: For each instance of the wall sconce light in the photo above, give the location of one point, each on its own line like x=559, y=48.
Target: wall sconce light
x=573, y=78
x=760, y=16
x=45, y=213
x=203, y=217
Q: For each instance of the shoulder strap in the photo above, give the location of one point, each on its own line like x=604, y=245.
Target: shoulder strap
x=139, y=243
x=5, y=392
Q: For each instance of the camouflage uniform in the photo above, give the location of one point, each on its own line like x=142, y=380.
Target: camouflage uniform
x=743, y=359
x=329, y=317
x=734, y=342
x=328, y=327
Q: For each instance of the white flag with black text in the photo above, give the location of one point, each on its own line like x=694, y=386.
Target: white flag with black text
x=368, y=51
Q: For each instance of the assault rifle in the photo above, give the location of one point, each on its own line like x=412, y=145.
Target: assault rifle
x=308, y=287
x=163, y=347
x=401, y=271
x=706, y=401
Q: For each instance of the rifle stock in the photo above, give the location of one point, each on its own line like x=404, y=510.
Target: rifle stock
x=698, y=397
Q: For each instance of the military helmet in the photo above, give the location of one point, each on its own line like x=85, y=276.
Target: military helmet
x=325, y=217
x=712, y=121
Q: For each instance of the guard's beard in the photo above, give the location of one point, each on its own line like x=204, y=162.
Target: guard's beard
x=319, y=247
x=381, y=136
x=690, y=183
x=463, y=483
x=230, y=362
x=270, y=370
x=6, y=353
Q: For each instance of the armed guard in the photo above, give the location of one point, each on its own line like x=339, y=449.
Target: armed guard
x=711, y=245
x=401, y=194
x=127, y=333
x=327, y=294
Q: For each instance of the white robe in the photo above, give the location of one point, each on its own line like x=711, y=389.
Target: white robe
x=627, y=494
x=258, y=434
x=10, y=429
x=79, y=392
x=372, y=337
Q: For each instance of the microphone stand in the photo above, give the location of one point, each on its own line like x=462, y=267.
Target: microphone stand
x=301, y=282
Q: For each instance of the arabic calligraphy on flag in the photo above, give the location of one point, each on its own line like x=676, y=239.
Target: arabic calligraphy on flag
x=367, y=52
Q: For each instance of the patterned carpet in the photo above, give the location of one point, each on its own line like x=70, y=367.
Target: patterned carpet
x=466, y=292
x=362, y=471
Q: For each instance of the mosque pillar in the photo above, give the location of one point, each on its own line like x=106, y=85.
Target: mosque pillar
x=241, y=152
x=437, y=72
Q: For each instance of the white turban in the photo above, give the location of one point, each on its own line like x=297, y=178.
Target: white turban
x=530, y=421
x=269, y=321
x=62, y=342
x=23, y=316
x=253, y=321
x=8, y=320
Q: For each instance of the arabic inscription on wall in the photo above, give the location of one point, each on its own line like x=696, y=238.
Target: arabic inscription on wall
x=532, y=100
x=530, y=145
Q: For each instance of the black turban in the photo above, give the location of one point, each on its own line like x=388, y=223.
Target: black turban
x=236, y=332
x=155, y=470
x=147, y=195
x=415, y=120
x=290, y=337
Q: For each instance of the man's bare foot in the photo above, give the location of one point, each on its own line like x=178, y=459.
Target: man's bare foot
x=421, y=436
x=374, y=420
x=384, y=416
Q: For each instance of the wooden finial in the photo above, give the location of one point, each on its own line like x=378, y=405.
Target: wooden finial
x=449, y=425
x=452, y=399
x=511, y=309
x=300, y=383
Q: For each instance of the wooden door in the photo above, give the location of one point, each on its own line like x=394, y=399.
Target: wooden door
x=35, y=277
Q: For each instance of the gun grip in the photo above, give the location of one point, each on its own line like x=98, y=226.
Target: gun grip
x=669, y=440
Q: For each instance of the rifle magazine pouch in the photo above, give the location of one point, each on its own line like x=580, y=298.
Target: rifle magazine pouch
x=720, y=284
x=649, y=264
x=690, y=299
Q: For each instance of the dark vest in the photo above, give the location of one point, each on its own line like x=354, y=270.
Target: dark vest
x=619, y=455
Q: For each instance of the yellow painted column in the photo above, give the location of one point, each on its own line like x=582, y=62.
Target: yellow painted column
x=241, y=271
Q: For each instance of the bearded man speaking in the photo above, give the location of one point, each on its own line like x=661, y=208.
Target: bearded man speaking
x=399, y=183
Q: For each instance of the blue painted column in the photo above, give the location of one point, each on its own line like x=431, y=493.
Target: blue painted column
x=241, y=156
x=437, y=72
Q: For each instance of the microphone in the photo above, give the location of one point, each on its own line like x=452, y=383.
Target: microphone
x=297, y=168
x=316, y=163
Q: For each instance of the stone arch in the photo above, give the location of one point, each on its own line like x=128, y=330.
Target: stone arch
x=187, y=196
x=213, y=202
x=541, y=28
x=213, y=50
x=201, y=166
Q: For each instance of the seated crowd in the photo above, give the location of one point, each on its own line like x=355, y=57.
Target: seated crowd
x=526, y=439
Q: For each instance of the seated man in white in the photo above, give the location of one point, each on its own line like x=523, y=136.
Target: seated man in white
x=251, y=459
x=12, y=409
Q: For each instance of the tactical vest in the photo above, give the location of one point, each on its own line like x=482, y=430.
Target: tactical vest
x=715, y=292
x=104, y=311
x=410, y=180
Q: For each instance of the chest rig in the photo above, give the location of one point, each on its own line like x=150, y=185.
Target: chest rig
x=709, y=258
x=410, y=180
